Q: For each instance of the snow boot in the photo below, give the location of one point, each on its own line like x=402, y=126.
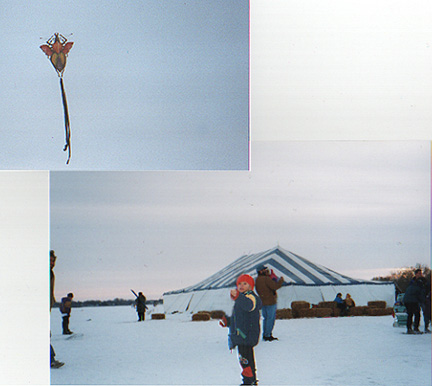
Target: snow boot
x=270, y=338
x=248, y=381
x=427, y=331
x=56, y=364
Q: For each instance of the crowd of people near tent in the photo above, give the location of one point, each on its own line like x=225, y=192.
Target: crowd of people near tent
x=244, y=322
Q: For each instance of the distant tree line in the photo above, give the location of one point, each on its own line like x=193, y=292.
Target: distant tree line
x=105, y=303
x=403, y=276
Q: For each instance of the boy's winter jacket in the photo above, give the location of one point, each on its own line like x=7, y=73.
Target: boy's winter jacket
x=244, y=323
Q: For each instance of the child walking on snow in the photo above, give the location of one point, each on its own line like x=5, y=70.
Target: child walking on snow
x=244, y=327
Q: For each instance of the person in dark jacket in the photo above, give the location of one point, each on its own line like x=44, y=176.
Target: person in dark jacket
x=413, y=298
x=65, y=309
x=140, y=304
x=340, y=303
x=266, y=286
x=425, y=305
x=244, y=326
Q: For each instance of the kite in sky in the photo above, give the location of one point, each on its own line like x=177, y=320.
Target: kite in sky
x=56, y=49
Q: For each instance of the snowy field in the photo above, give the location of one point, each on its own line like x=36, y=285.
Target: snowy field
x=110, y=347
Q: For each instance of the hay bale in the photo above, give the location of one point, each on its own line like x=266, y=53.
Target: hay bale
x=298, y=305
x=389, y=311
x=303, y=313
x=331, y=305
x=374, y=311
x=377, y=304
x=158, y=316
x=284, y=313
x=217, y=314
x=358, y=311
x=323, y=312
x=201, y=316
x=314, y=312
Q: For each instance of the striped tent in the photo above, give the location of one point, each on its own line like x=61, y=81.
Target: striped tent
x=304, y=280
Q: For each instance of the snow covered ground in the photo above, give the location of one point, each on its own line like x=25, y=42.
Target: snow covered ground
x=110, y=347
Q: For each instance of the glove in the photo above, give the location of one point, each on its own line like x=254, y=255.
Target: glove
x=273, y=276
x=223, y=322
x=234, y=294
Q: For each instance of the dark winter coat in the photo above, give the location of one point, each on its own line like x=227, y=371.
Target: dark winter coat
x=244, y=323
x=141, y=303
x=414, y=293
x=266, y=288
x=427, y=309
x=65, y=306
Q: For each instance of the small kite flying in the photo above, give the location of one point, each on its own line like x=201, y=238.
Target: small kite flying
x=57, y=49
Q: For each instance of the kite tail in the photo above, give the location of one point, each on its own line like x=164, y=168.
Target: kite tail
x=66, y=118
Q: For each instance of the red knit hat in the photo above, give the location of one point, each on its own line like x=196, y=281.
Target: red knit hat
x=248, y=279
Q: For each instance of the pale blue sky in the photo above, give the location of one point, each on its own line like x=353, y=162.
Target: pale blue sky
x=319, y=70
x=150, y=85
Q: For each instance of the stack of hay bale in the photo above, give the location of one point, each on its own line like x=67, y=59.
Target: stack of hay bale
x=207, y=315
x=378, y=308
x=302, y=309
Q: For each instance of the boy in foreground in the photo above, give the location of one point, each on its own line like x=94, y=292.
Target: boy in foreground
x=244, y=327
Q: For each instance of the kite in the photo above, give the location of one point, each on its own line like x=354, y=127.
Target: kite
x=56, y=49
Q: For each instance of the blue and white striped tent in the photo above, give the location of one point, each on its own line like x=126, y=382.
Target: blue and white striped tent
x=304, y=280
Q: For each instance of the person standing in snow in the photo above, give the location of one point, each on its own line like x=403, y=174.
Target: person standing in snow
x=244, y=326
x=266, y=287
x=65, y=309
x=414, y=296
x=54, y=363
x=424, y=306
x=140, y=304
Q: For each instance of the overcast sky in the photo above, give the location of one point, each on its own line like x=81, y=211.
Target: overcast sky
x=341, y=69
x=150, y=85
x=359, y=208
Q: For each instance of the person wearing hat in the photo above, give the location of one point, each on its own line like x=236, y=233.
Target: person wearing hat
x=54, y=363
x=266, y=288
x=244, y=326
x=140, y=304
